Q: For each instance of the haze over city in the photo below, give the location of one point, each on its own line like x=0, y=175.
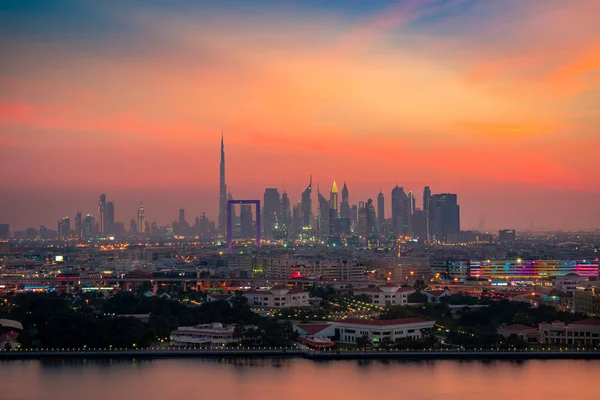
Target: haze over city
x=494, y=101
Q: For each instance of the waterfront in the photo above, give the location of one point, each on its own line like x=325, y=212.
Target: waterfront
x=291, y=379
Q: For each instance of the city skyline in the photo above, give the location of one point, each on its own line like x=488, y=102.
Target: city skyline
x=316, y=211
x=95, y=98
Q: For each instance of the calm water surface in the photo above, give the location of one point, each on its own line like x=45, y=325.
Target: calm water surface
x=296, y=379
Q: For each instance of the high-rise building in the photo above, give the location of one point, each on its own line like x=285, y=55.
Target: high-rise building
x=371, y=215
x=102, y=213
x=234, y=217
x=286, y=213
x=409, y=211
x=398, y=210
x=64, y=228
x=297, y=219
x=222, y=192
x=141, y=220
x=333, y=199
x=87, y=227
x=307, y=206
x=78, y=225
x=133, y=226
x=427, y=211
x=324, y=214
x=445, y=213
x=380, y=209
x=345, y=204
x=271, y=212
x=354, y=217
x=246, y=221
x=361, y=223
x=507, y=235
x=419, y=224
x=411, y=203
x=109, y=220
x=4, y=231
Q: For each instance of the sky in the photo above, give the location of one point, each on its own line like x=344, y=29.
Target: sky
x=497, y=101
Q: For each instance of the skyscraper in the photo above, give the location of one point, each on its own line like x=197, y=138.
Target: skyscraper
x=246, y=221
x=64, y=228
x=333, y=198
x=222, y=191
x=297, y=219
x=324, y=214
x=372, y=225
x=361, y=223
x=87, y=227
x=354, y=217
x=345, y=204
x=427, y=211
x=78, y=225
x=141, y=220
x=182, y=222
x=4, y=231
x=380, y=209
x=307, y=206
x=102, y=213
x=133, y=226
x=445, y=213
x=286, y=213
x=398, y=209
x=271, y=212
x=409, y=212
x=109, y=220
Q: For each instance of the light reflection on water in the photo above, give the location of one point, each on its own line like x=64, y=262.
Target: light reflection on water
x=295, y=379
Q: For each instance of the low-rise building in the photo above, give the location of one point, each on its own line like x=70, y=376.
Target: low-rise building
x=315, y=330
x=215, y=334
x=527, y=333
x=570, y=282
x=386, y=295
x=587, y=300
x=278, y=296
x=212, y=297
x=580, y=333
x=349, y=330
x=434, y=296
x=315, y=335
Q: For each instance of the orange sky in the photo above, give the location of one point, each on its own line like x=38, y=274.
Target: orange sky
x=497, y=104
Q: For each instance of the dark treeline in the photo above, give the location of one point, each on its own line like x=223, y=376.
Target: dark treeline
x=67, y=321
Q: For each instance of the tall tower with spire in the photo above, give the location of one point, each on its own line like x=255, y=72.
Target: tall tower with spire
x=222, y=191
x=345, y=204
x=333, y=198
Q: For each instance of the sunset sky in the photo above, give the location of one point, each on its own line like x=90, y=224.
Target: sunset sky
x=496, y=100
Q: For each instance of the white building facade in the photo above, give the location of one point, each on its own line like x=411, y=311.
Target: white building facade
x=278, y=297
x=349, y=330
x=570, y=282
x=212, y=335
x=386, y=295
x=580, y=333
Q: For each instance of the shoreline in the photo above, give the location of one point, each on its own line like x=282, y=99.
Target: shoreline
x=307, y=354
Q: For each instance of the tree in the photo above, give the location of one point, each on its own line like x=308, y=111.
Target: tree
x=417, y=297
x=363, y=298
x=362, y=342
x=420, y=285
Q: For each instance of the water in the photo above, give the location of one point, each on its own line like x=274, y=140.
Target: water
x=296, y=379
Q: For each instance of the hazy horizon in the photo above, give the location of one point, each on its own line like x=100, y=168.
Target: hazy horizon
x=494, y=101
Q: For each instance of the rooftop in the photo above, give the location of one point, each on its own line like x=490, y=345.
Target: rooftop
x=588, y=322
x=518, y=327
x=313, y=329
x=381, y=322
